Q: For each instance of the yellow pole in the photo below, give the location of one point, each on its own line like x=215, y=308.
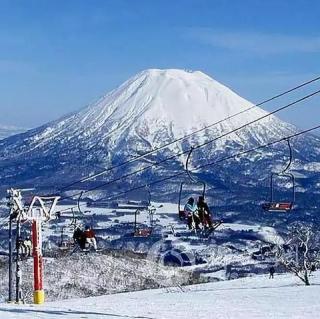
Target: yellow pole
x=38, y=297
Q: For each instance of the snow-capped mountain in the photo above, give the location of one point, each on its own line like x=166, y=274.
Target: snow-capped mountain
x=154, y=107
x=6, y=131
x=150, y=109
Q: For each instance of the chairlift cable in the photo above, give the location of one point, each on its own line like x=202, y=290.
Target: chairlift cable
x=79, y=202
x=221, y=160
x=210, y=164
x=187, y=165
x=135, y=158
x=290, y=157
x=201, y=145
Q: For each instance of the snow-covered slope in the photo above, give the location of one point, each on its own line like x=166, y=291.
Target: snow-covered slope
x=150, y=109
x=154, y=107
x=257, y=297
x=6, y=131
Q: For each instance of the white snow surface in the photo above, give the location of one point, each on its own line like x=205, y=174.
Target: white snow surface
x=255, y=297
x=157, y=106
x=6, y=131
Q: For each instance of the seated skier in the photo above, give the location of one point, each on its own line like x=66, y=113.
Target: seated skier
x=190, y=210
x=204, y=213
x=90, y=237
x=25, y=247
x=28, y=246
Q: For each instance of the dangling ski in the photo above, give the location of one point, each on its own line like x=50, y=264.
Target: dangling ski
x=208, y=231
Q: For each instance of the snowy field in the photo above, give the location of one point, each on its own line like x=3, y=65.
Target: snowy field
x=236, y=245
x=232, y=251
x=254, y=297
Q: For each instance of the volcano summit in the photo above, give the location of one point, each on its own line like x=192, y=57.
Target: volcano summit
x=152, y=108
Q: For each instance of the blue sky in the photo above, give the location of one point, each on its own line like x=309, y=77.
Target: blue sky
x=57, y=56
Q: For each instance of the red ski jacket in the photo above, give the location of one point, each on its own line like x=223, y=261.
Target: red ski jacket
x=89, y=233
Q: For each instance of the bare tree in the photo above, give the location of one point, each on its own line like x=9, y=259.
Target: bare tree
x=301, y=253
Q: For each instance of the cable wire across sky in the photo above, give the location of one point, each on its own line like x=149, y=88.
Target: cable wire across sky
x=191, y=134
x=206, y=165
x=220, y=160
x=136, y=158
x=202, y=144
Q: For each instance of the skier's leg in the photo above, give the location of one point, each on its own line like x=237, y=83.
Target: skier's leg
x=201, y=218
x=28, y=251
x=193, y=224
x=94, y=243
x=196, y=221
x=23, y=250
x=208, y=220
x=190, y=221
x=87, y=244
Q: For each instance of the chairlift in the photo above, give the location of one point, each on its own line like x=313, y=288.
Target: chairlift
x=144, y=231
x=78, y=202
x=274, y=205
x=65, y=242
x=74, y=221
x=151, y=208
x=192, y=181
x=149, y=195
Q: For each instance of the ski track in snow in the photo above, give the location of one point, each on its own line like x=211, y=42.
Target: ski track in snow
x=255, y=297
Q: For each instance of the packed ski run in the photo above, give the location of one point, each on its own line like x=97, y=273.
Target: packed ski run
x=252, y=297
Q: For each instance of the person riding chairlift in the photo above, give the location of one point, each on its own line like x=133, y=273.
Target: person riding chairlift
x=90, y=237
x=25, y=246
x=79, y=237
x=204, y=213
x=190, y=210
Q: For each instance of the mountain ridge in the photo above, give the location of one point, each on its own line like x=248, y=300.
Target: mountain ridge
x=150, y=109
x=9, y=130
